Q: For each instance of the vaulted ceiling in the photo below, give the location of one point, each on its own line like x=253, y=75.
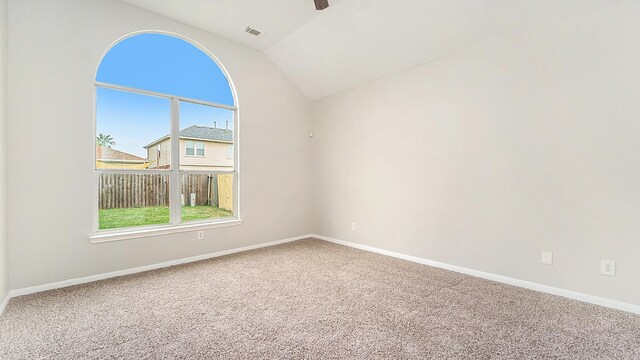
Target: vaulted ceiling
x=357, y=41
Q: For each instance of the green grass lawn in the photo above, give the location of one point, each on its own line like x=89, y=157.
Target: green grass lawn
x=121, y=218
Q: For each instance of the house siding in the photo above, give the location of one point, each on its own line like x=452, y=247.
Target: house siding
x=165, y=154
x=215, y=153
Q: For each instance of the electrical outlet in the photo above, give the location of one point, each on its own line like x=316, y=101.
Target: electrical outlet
x=200, y=235
x=353, y=226
x=547, y=257
x=608, y=267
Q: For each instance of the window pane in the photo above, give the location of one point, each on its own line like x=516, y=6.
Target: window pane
x=131, y=131
x=206, y=196
x=200, y=149
x=165, y=64
x=210, y=131
x=128, y=200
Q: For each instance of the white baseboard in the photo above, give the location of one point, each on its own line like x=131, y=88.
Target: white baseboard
x=489, y=276
x=499, y=278
x=91, y=278
x=5, y=302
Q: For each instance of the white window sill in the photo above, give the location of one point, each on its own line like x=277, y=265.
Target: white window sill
x=118, y=235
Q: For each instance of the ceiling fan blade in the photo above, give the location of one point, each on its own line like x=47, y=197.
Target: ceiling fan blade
x=321, y=4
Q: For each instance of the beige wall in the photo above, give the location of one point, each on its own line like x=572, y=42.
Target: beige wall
x=495, y=154
x=54, y=49
x=165, y=154
x=4, y=278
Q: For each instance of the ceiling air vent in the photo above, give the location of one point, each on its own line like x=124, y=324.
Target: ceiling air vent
x=252, y=31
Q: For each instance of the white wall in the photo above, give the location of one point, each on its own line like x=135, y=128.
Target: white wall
x=4, y=277
x=54, y=48
x=485, y=158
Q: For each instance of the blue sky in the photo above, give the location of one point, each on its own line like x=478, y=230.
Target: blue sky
x=159, y=63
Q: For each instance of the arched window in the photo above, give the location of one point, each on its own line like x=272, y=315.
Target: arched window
x=166, y=135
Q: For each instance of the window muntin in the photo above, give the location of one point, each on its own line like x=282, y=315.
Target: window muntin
x=171, y=205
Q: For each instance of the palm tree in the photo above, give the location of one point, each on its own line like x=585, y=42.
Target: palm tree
x=105, y=140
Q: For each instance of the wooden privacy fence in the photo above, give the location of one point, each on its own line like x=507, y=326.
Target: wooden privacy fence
x=132, y=190
x=205, y=187
x=144, y=190
x=225, y=191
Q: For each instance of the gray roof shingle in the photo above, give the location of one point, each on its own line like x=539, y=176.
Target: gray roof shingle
x=201, y=133
x=207, y=133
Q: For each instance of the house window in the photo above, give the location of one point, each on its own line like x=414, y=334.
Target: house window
x=230, y=151
x=154, y=92
x=194, y=148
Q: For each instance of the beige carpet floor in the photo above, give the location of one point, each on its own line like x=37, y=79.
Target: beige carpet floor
x=310, y=300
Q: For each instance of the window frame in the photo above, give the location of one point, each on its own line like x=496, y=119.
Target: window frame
x=186, y=148
x=175, y=222
x=195, y=148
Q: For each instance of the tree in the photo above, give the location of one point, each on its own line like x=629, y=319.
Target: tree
x=105, y=140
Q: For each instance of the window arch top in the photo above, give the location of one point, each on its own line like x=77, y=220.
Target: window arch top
x=165, y=64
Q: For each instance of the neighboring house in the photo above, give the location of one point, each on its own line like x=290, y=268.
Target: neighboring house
x=201, y=148
x=108, y=158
